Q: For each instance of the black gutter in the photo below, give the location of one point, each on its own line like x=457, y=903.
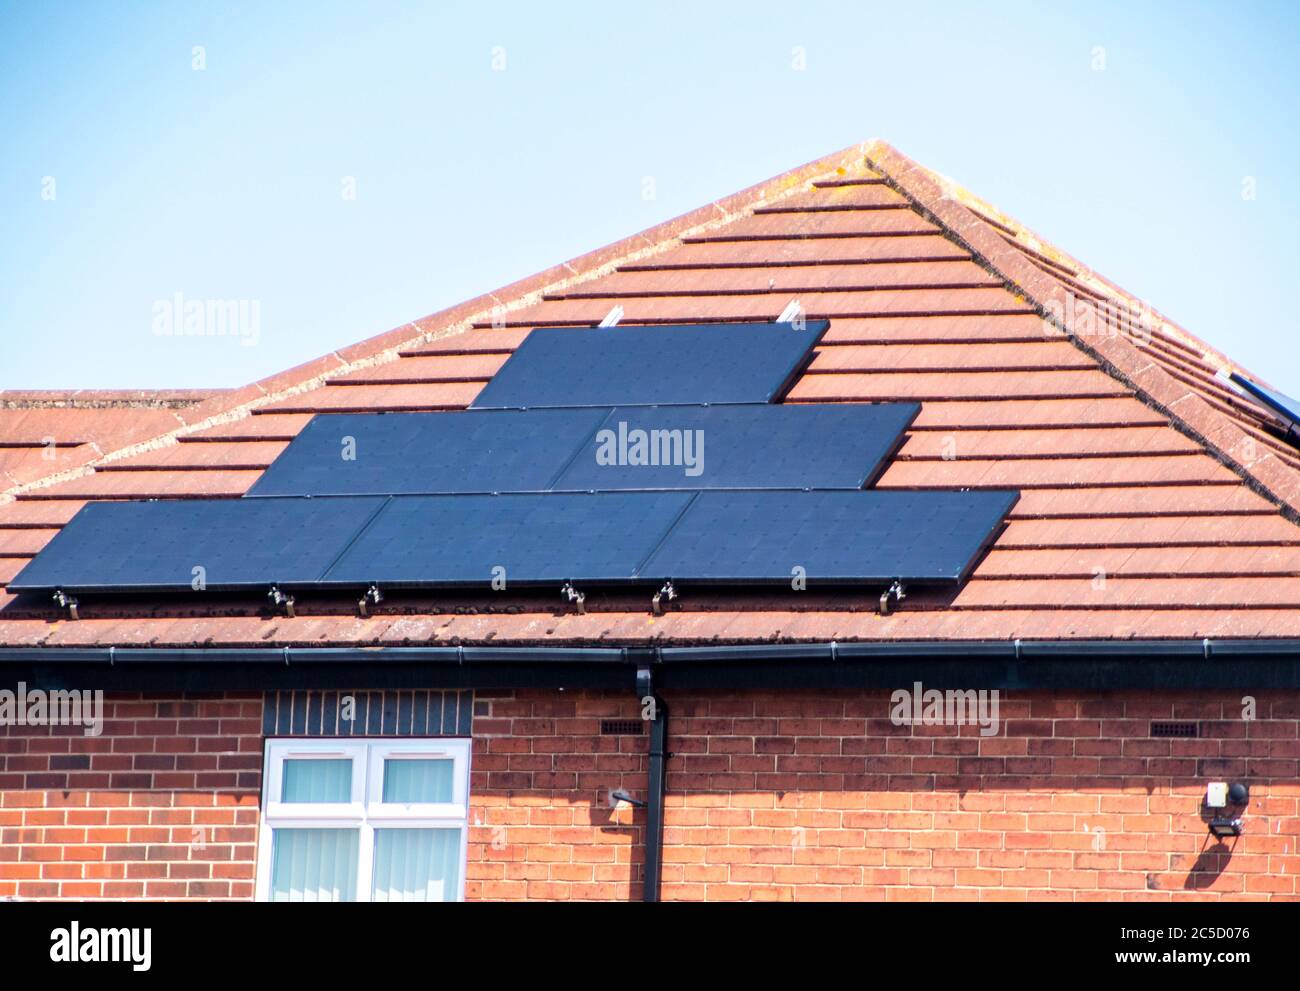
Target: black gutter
x=1007, y=664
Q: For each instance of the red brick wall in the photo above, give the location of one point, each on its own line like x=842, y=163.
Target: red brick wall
x=541, y=825
x=163, y=804
x=819, y=796
x=770, y=797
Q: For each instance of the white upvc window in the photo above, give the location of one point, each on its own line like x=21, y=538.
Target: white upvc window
x=364, y=820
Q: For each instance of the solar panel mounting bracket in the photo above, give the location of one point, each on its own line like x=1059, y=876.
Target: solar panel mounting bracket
x=67, y=602
x=668, y=591
x=278, y=598
x=571, y=594
x=372, y=596
x=898, y=590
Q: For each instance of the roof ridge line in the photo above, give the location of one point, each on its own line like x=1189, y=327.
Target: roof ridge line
x=236, y=404
x=1123, y=360
x=1084, y=273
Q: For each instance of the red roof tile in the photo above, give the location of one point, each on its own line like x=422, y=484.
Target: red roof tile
x=1155, y=501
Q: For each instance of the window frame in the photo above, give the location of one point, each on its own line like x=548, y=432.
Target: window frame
x=365, y=811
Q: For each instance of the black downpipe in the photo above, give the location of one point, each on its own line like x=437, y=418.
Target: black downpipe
x=654, y=816
x=654, y=813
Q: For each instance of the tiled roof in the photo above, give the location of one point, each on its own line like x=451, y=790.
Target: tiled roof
x=44, y=433
x=1155, y=502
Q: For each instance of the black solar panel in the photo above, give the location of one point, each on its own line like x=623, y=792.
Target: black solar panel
x=547, y=539
x=590, y=449
x=624, y=365
x=398, y=453
x=835, y=537
x=750, y=446
x=143, y=546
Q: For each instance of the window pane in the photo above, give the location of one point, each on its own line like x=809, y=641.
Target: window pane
x=418, y=780
x=417, y=865
x=317, y=780
x=314, y=865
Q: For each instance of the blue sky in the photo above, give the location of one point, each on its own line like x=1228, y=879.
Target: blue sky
x=227, y=182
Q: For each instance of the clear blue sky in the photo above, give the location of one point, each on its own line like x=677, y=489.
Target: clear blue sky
x=226, y=183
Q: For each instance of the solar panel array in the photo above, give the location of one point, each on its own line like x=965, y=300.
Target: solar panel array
x=522, y=539
x=598, y=455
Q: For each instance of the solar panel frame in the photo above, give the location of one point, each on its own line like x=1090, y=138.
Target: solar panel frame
x=667, y=364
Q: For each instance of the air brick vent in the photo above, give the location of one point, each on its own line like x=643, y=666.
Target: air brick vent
x=1167, y=729
x=620, y=727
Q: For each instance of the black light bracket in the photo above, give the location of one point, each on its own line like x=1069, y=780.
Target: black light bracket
x=278, y=598
x=372, y=597
x=668, y=592
x=67, y=602
x=571, y=594
x=897, y=590
x=1221, y=828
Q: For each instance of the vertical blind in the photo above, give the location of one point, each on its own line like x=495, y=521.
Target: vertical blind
x=317, y=780
x=418, y=780
x=314, y=865
x=416, y=865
